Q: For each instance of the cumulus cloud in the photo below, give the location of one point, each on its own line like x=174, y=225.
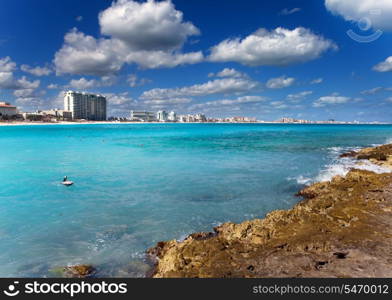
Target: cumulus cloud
x=379, y=12
x=280, y=82
x=375, y=90
x=287, y=11
x=385, y=66
x=7, y=65
x=279, y=47
x=317, y=81
x=228, y=72
x=120, y=103
x=299, y=96
x=228, y=102
x=37, y=71
x=134, y=81
x=146, y=26
x=162, y=59
x=22, y=86
x=83, y=83
x=217, y=86
x=279, y=105
x=331, y=100
x=53, y=86
x=149, y=34
x=84, y=55
x=168, y=101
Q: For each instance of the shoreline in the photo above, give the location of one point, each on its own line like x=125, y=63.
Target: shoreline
x=341, y=228
x=6, y=124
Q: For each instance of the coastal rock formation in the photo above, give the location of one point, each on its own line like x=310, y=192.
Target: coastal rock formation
x=342, y=228
x=77, y=271
x=381, y=155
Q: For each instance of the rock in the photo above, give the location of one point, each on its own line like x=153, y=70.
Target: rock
x=342, y=228
x=349, y=154
x=77, y=271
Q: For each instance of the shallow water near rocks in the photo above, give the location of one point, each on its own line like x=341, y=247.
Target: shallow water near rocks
x=137, y=184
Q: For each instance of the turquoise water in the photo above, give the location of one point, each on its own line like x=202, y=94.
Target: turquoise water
x=138, y=184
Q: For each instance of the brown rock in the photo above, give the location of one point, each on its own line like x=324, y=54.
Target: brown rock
x=342, y=228
x=78, y=271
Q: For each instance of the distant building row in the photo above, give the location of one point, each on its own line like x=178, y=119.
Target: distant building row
x=163, y=116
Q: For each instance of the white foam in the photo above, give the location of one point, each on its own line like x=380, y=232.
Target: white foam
x=341, y=166
x=302, y=179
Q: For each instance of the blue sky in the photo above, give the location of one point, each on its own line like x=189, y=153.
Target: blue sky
x=266, y=59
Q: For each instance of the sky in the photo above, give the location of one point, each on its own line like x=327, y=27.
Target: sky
x=315, y=60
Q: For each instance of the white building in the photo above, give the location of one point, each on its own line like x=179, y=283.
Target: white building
x=172, y=117
x=142, y=116
x=58, y=113
x=7, y=109
x=162, y=116
x=85, y=106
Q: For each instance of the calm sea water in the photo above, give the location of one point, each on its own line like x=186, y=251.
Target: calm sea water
x=139, y=184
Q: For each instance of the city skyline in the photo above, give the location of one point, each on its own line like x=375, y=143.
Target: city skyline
x=314, y=60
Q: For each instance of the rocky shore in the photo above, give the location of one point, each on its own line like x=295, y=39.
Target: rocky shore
x=341, y=228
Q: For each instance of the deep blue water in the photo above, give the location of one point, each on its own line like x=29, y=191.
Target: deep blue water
x=138, y=184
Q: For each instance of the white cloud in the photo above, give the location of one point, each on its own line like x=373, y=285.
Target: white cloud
x=299, y=96
x=217, y=86
x=119, y=99
x=147, y=26
x=331, y=100
x=389, y=99
x=168, y=101
x=120, y=103
x=7, y=65
x=79, y=18
x=149, y=34
x=279, y=47
x=228, y=102
x=228, y=72
x=83, y=83
x=279, y=104
x=373, y=91
x=8, y=81
x=163, y=59
x=37, y=71
x=317, y=81
x=53, y=86
x=280, y=82
x=385, y=66
x=84, y=55
x=287, y=11
x=378, y=12
x=135, y=81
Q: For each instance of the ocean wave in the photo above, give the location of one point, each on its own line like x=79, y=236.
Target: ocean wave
x=341, y=166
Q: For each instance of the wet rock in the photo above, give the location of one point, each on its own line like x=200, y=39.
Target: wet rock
x=349, y=154
x=77, y=271
x=342, y=228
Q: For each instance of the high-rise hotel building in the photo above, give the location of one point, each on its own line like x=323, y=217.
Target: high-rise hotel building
x=85, y=106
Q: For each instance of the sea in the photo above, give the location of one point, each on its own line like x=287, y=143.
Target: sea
x=138, y=184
